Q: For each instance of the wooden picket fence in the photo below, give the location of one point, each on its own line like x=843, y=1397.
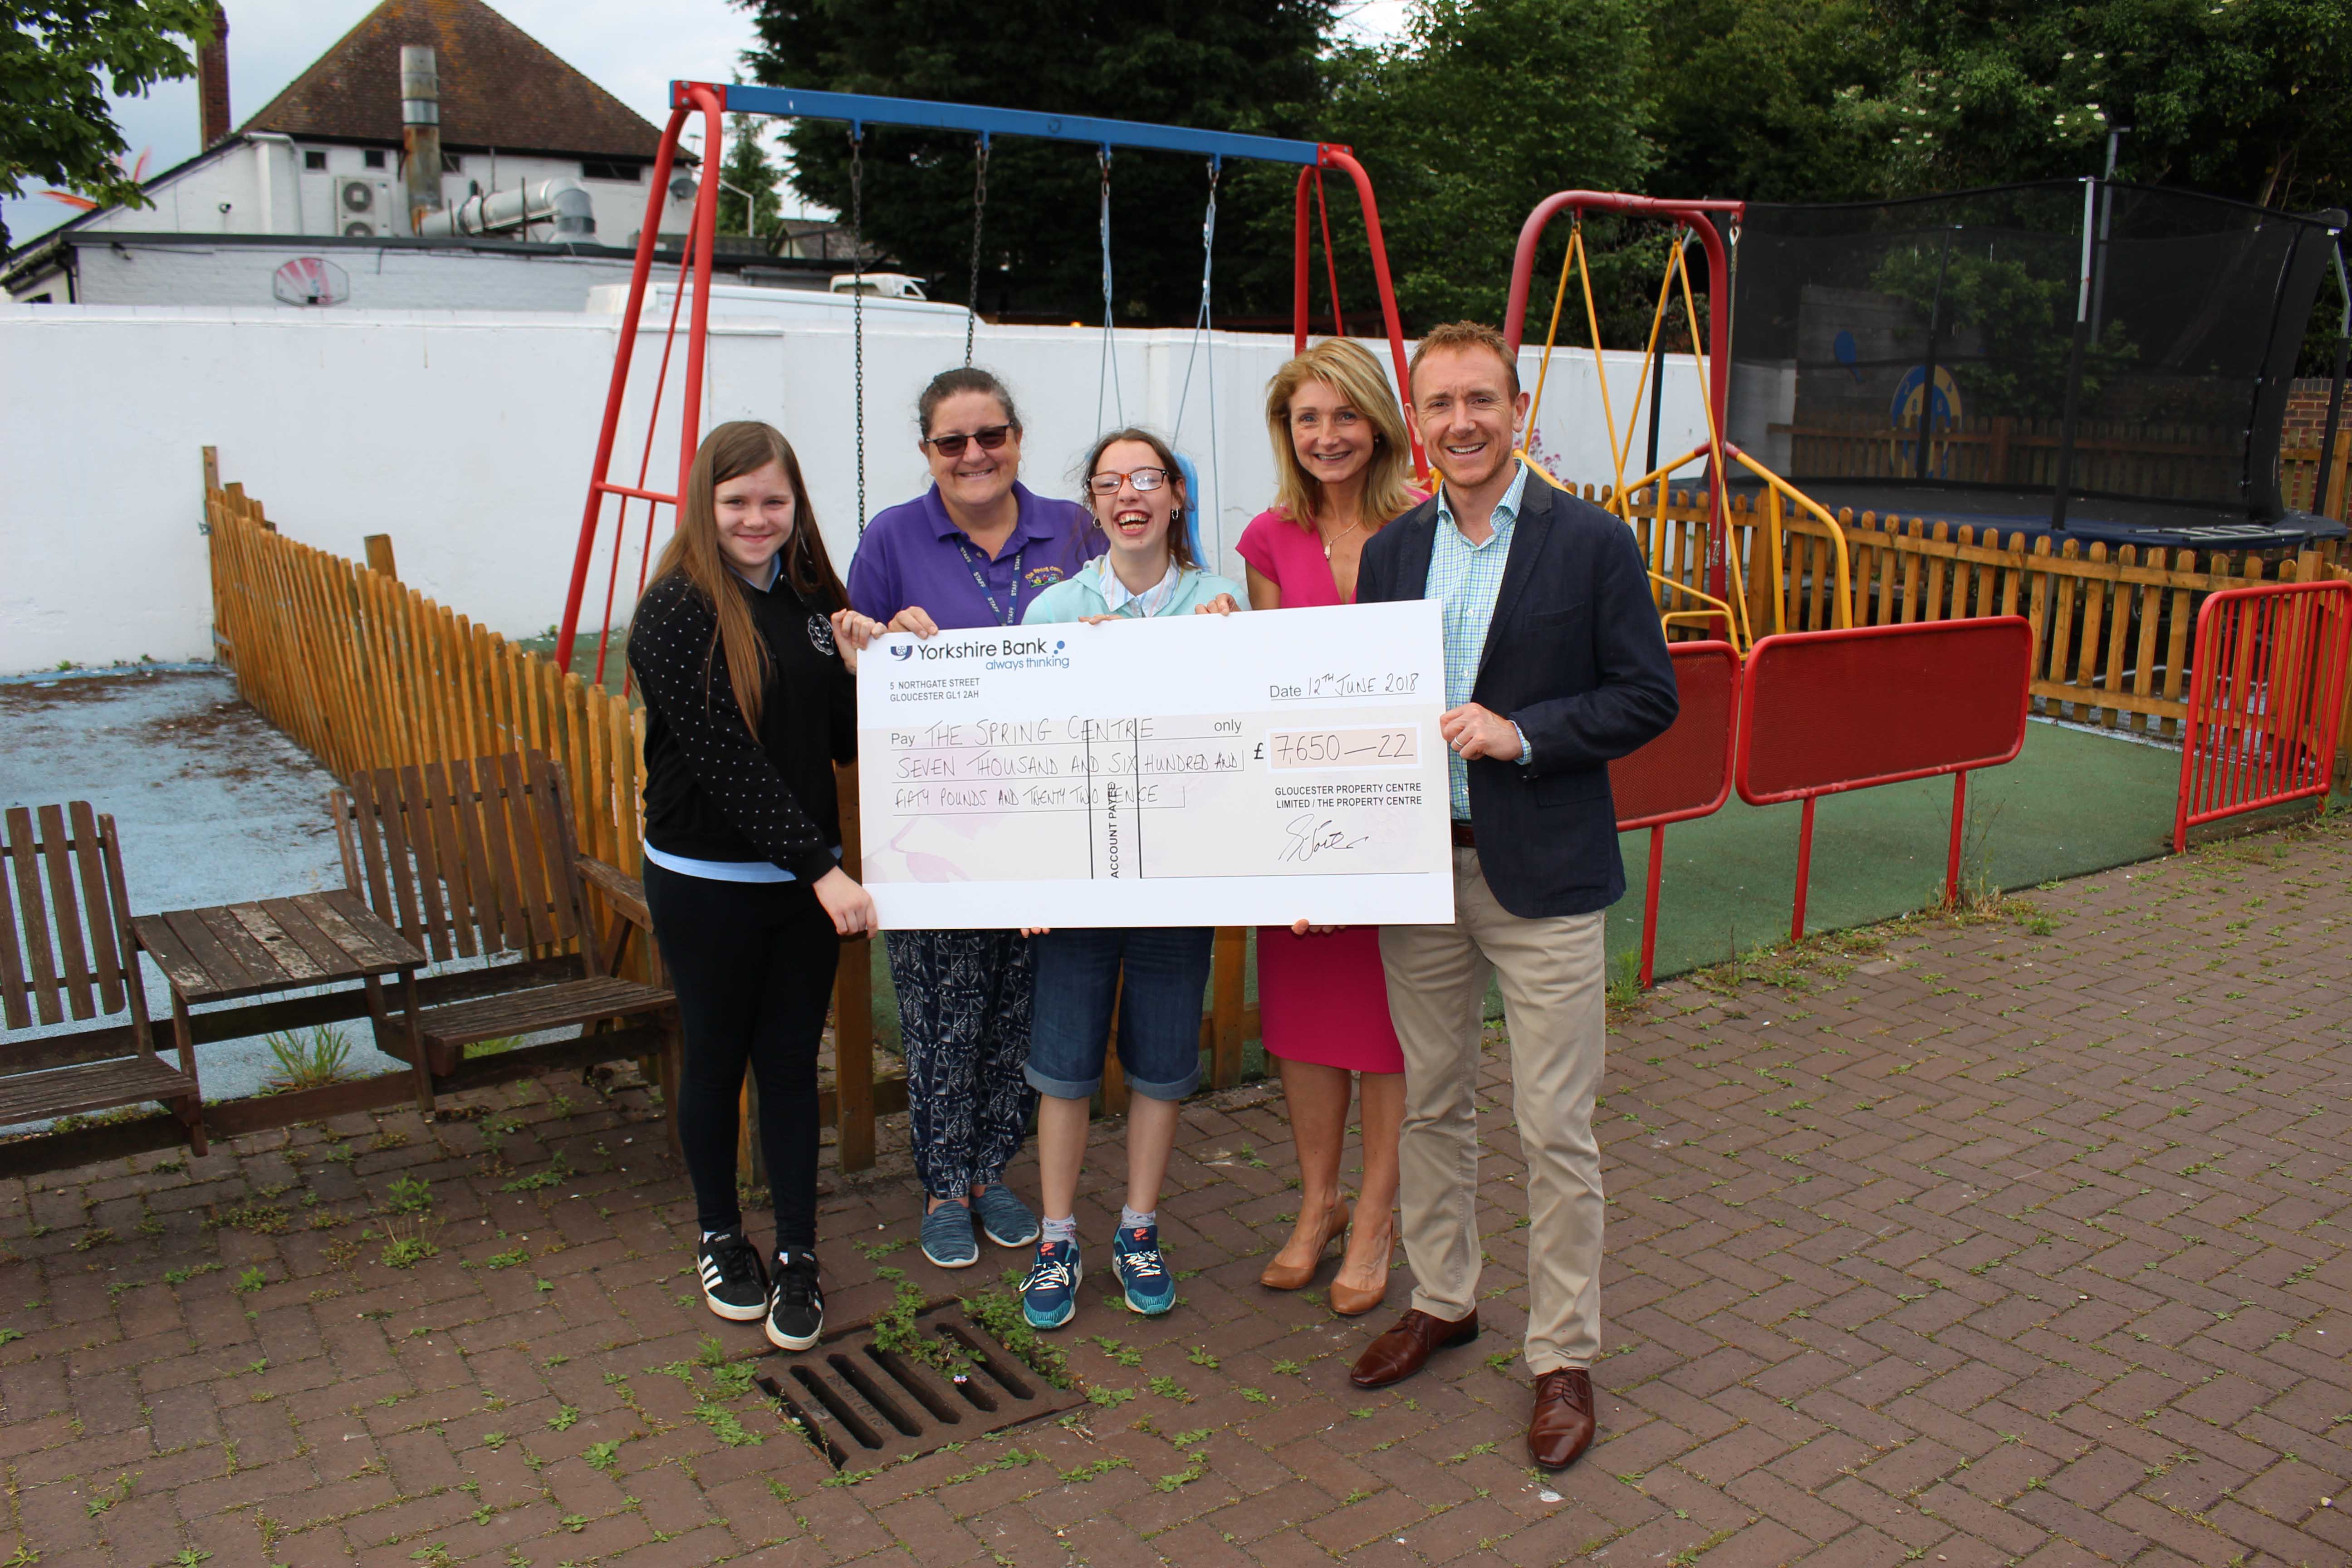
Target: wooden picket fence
x=365, y=672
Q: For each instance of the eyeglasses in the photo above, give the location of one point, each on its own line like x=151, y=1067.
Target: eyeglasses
x=1142, y=478
x=990, y=439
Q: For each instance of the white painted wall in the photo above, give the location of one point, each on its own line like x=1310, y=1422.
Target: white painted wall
x=468, y=437
x=265, y=186
x=132, y=271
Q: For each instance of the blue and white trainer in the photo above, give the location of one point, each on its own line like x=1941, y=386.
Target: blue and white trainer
x=947, y=1236
x=1049, y=1297
x=1142, y=1272
x=1005, y=1218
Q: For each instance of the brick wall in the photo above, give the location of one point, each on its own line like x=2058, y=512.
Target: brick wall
x=2306, y=411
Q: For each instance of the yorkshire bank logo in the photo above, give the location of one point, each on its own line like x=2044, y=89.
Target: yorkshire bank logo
x=999, y=649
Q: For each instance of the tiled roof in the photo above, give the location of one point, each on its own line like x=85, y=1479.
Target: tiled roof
x=499, y=88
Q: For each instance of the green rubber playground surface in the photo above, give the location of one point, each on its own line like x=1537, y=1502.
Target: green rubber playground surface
x=2074, y=802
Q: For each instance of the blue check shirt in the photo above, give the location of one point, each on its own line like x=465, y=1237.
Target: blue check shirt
x=1466, y=578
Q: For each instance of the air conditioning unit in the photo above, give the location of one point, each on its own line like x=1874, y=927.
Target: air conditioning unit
x=358, y=206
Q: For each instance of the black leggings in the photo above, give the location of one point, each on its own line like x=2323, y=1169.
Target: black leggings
x=753, y=964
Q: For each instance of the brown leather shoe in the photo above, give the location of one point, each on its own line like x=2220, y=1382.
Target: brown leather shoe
x=1402, y=1352
x=1561, y=1428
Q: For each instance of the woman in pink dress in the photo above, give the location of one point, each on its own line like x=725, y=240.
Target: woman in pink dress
x=1345, y=468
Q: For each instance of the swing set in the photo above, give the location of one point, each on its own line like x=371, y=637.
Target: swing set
x=711, y=101
x=1722, y=603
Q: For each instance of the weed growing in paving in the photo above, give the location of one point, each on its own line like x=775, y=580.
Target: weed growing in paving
x=1187, y=1475
x=1013, y=1458
x=409, y=1241
x=1093, y=1468
x=897, y=1332
x=558, y=1169
x=409, y=1196
x=308, y=1059
x=105, y=1497
x=1000, y=1313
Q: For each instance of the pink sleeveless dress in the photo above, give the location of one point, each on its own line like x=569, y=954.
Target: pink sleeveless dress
x=1321, y=998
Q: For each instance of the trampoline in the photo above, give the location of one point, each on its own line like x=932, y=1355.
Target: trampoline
x=2087, y=360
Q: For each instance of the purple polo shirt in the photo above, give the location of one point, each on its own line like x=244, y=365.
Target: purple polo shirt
x=914, y=554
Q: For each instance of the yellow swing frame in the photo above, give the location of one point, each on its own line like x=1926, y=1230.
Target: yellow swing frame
x=1778, y=492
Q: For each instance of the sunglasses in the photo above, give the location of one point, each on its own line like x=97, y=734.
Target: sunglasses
x=990, y=439
x=1142, y=478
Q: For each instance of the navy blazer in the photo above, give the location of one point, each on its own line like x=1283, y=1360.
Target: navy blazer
x=1576, y=658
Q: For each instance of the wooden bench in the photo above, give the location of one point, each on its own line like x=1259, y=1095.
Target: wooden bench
x=70, y=951
x=476, y=863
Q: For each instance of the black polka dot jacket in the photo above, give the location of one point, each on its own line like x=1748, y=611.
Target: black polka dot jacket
x=713, y=791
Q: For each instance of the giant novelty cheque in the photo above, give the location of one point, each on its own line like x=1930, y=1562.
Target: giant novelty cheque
x=1196, y=770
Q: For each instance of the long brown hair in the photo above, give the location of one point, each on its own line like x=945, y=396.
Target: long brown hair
x=1349, y=369
x=1180, y=541
x=732, y=450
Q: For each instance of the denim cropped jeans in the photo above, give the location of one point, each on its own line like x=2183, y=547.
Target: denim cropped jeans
x=1079, y=970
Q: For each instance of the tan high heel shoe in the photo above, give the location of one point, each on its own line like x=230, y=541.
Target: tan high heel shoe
x=1282, y=1277
x=1350, y=1302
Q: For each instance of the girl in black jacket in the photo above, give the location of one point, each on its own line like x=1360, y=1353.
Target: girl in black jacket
x=744, y=649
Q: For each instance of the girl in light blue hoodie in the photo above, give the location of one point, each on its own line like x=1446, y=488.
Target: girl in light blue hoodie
x=1137, y=494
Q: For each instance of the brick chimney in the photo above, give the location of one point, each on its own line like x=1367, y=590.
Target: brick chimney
x=212, y=81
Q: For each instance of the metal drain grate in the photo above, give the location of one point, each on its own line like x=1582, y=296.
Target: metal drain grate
x=862, y=1405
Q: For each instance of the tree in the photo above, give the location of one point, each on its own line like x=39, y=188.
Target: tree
x=748, y=168
x=1225, y=65
x=2246, y=98
x=1487, y=107
x=59, y=59
x=1747, y=95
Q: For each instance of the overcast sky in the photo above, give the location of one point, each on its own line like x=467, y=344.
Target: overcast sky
x=634, y=49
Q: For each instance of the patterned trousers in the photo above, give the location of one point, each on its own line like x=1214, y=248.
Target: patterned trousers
x=963, y=1017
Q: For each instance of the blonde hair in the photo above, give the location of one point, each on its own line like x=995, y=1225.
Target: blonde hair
x=1349, y=369
x=728, y=452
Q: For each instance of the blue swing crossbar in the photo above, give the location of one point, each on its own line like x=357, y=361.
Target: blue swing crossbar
x=866, y=108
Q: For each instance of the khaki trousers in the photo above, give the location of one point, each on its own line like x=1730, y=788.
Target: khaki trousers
x=1552, y=974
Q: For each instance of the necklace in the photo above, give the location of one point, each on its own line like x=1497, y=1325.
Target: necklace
x=1330, y=539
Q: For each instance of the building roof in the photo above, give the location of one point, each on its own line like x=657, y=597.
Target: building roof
x=499, y=88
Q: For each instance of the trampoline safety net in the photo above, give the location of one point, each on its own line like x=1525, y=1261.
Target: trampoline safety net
x=1854, y=324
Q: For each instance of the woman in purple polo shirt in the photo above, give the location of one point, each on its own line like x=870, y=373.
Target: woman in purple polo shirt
x=973, y=550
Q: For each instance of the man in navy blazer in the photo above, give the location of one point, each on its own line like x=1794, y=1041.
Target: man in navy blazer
x=1555, y=663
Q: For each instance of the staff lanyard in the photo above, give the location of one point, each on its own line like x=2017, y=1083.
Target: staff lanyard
x=1004, y=617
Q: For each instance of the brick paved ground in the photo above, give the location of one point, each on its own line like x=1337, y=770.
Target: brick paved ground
x=2009, y=1242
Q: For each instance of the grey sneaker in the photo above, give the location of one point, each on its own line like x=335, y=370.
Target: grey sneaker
x=1005, y=1218
x=948, y=1239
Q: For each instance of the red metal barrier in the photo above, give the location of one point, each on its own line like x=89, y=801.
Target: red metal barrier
x=1824, y=712
x=1684, y=772
x=2266, y=699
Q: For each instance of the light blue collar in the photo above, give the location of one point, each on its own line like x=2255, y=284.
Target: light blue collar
x=1149, y=602
x=775, y=568
x=1507, y=510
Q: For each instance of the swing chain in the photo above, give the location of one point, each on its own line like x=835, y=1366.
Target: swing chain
x=857, y=298
x=1109, y=369
x=1200, y=318
x=979, y=208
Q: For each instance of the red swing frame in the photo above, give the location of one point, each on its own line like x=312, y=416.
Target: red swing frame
x=711, y=101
